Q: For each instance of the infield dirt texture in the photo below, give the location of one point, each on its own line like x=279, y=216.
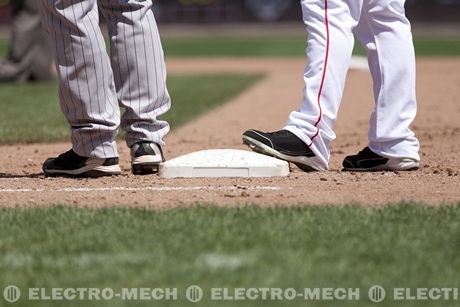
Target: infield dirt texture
x=265, y=106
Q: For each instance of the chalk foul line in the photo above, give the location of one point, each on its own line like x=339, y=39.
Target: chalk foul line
x=153, y=189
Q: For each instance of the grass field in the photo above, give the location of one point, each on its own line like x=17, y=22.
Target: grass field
x=20, y=104
x=279, y=46
x=290, y=46
x=299, y=247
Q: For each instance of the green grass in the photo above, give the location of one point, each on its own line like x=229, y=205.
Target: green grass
x=31, y=112
x=214, y=47
x=406, y=245
x=195, y=95
x=3, y=48
x=290, y=46
x=438, y=46
x=279, y=46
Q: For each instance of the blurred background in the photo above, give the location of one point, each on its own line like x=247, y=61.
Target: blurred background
x=281, y=18
x=233, y=11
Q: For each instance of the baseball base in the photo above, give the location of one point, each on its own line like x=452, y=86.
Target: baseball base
x=223, y=163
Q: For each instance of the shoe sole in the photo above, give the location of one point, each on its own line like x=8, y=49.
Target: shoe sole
x=145, y=168
x=146, y=165
x=399, y=165
x=86, y=172
x=304, y=163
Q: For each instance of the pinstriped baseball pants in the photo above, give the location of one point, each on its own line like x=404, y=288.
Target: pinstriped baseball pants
x=93, y=85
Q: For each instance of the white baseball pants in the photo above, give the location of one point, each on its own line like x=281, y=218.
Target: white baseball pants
x=92, y=86
x=384, y=31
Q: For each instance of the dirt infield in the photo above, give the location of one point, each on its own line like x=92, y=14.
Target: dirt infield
x=266, y=106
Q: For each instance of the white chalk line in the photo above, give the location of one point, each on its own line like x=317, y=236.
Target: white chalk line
x=143, y=189
x=359, y=63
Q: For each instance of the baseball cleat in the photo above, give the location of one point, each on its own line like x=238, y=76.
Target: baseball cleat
x=69, y=164
x=283, y=145
x=146, y=158
x=368, y=161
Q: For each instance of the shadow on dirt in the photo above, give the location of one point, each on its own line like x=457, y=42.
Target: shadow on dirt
x=12, y=176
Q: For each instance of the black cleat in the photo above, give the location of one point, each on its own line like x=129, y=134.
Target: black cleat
x=69, y=164
x=283, y=145
x=146, y=158
x=368, y=161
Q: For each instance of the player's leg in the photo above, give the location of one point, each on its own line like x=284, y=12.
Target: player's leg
x=385, y=32
x=86, y=89
x=140, y=78
x=330, y=43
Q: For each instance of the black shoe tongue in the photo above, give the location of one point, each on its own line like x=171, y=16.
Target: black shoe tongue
x=144, y=149
x=67, y=155
x=281, y=133
x=70, y=158
x=367, y=152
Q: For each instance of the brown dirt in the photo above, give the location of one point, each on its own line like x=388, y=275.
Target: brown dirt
x=266, y=106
